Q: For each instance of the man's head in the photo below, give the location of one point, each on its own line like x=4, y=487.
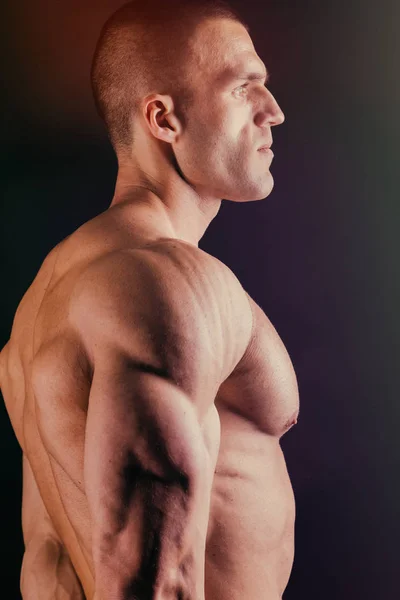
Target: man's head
x=171, y=83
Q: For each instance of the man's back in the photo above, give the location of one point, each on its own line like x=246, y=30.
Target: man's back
x=249, y=383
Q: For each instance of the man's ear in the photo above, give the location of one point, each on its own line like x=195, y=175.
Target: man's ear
x=160, y=118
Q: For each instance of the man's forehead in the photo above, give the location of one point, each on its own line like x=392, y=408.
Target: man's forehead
x=223, y=51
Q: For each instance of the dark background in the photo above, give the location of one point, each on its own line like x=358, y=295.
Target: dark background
x=320, y=254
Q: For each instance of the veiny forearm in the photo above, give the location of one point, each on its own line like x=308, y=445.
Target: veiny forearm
x=47, y=572
x=158, y=553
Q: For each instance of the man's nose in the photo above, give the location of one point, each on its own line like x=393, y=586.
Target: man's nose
x=279, y=117
x=271, y=112
x=276, y=114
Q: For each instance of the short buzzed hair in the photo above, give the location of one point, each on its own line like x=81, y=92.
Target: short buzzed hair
x=142, y=50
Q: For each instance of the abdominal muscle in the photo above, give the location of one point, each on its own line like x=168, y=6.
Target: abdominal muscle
x=250, y=538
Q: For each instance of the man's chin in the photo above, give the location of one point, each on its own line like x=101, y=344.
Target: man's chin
x=252, y=195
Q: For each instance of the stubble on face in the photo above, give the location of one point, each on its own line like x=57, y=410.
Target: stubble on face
x=222, y=137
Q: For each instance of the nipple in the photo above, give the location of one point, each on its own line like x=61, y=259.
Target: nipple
x=293, y=421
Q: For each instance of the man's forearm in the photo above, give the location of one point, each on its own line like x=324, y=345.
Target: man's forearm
x=47, y=572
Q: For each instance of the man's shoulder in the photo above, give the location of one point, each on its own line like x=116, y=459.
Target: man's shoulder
x=150, y=283
x=197, y=266
x=166, y=265
x=177, y=292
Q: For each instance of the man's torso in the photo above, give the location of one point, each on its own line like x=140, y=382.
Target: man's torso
x=250, y=536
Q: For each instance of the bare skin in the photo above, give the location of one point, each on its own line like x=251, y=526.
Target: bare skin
x=47, y=570
x=248, y=394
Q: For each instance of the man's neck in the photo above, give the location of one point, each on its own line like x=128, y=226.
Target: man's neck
x=174, y=207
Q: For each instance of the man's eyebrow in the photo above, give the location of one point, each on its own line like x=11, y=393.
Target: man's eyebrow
x=243, y=75
x=256, y=76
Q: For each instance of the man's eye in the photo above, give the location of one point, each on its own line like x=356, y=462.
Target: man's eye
x=242, y=87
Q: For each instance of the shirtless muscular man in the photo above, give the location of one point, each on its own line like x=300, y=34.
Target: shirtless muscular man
x=147, y=390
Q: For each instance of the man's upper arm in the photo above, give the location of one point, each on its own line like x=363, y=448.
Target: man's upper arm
x=147, y=331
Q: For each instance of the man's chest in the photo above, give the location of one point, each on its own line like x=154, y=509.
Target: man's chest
x=252, y=509
x=262, y=390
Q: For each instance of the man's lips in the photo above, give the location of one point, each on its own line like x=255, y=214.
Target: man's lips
x=266, y=150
